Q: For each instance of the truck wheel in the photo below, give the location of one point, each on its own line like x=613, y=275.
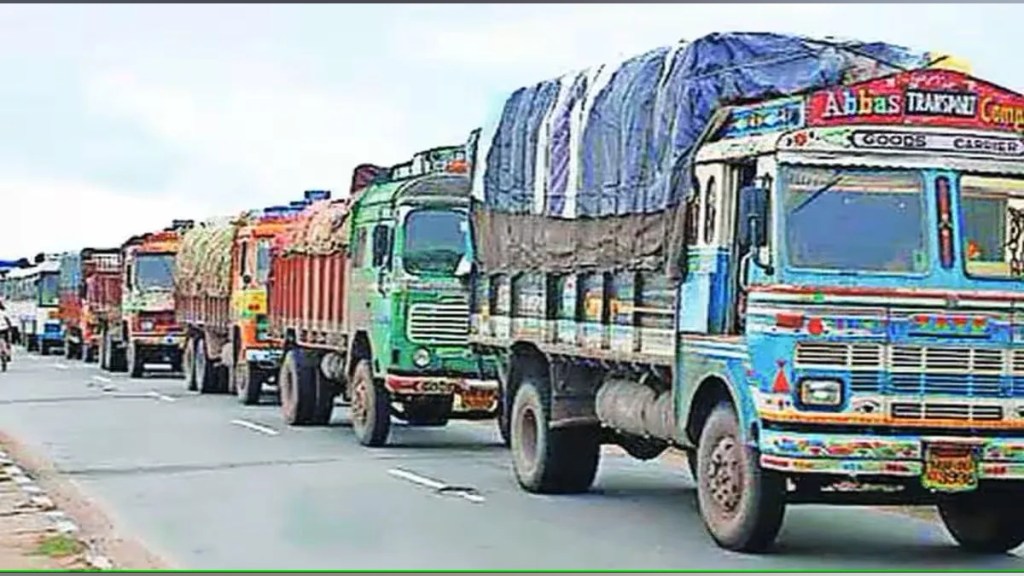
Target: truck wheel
x=371, y=407
x=550, y=460
x=44, y=348
x=325, y=394
x=985, y=521
x=742, y=505
x=429, y=411
x=188, y=364
x=136, y=367
x=69, y=351
x=248, y=384
x=206, y=376
x=105, y=351
x=297, y=389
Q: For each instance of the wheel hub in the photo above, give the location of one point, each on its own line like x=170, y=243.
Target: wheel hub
x=359, y=403
x=725, y=475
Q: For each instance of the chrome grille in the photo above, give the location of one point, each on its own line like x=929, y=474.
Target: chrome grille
x=939, y=359
x=936, y=411
x=951, y=370
x=441, y=323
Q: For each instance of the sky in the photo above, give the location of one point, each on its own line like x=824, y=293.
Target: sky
x=117, y=119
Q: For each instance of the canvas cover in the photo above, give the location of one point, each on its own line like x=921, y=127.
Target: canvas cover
x=591, y=170
x=320, y=230
x=203, y=262
x=70, y=272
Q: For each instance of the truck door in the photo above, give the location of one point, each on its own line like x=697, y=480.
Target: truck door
x=741, y=176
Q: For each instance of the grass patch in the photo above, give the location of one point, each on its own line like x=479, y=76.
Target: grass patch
x=59, y=546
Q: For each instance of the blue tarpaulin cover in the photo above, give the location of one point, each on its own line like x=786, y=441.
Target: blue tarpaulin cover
x=616, y=140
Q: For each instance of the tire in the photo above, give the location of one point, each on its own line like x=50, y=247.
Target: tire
x=188, y=364
x=69, y=350
x=298, y=389
x=135, y=364
x=325, y=394
x=105, y=351
x=248, y=384
x=547, y=460
x=429, y=411
x=44, y=349
x=985, y=521
x=371, y=407
x=206, y=374
x=88, y=354
x=742, y=511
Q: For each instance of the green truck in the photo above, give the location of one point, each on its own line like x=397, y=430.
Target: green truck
x=369, y=299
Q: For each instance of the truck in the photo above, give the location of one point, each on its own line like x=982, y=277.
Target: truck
x=32, y=302
x=221, y=274
x=89, y=281
x=369, y=296
x=798, y=262
x=143, y=328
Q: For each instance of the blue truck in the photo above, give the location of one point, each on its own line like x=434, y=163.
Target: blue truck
x=797, y=261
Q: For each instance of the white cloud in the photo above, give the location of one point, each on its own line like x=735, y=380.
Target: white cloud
x=52, y=215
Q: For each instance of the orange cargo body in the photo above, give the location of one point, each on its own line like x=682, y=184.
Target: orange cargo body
x=308, y=278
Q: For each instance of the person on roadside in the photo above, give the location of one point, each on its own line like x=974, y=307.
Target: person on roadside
x=6, y=332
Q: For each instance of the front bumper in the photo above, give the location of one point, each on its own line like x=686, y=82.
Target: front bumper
x=160, y=340
x=999, y=458
x=264, y=355
x=471, y=395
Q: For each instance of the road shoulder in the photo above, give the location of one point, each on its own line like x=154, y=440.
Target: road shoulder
x=65, y=528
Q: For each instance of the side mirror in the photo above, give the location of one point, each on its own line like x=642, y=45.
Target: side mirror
x=754, y=211
x=246, y=279
x=464, y=268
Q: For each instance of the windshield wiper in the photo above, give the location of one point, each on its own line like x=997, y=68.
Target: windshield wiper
x=814, y=195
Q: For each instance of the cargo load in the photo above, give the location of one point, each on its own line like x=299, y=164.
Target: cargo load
x=203, y=263
x=591, y=170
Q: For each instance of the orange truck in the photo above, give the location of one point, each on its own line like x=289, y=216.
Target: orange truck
x=143, y=329
x=90, y=282
x=221, y=277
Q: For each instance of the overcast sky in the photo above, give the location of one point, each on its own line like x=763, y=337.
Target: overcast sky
x=117, y=119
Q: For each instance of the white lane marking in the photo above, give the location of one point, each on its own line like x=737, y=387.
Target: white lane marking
x=416, y=478
x=99, y=378
x=437, y=486
x=160, y=396
x=254, y=426
x=61, y=366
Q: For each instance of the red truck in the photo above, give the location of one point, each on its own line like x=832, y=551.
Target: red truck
x=90, y=289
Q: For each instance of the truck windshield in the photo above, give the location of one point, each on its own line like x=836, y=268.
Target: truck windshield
x=993, y=226
x=154, y=271
x=435, y=241
x=841, y=219
x=48, y=294
x=262, y=261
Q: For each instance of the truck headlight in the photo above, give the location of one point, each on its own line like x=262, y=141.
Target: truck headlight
x=146, y=325
x=421, y=358
x=816, y=392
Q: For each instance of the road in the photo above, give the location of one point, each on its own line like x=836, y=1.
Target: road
x=211, y=484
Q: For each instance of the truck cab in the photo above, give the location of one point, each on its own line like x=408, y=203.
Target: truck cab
x=410, y=255
x=859, y=268
x=147, y=330
x=253, y=356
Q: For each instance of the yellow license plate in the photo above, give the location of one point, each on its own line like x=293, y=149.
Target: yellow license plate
x=950, y=469
x=477, y=401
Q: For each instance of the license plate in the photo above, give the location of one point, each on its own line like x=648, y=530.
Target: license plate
x=950, y=468
x=477, y=401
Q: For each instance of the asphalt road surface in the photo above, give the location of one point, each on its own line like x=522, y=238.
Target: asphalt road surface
x=211, y=484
